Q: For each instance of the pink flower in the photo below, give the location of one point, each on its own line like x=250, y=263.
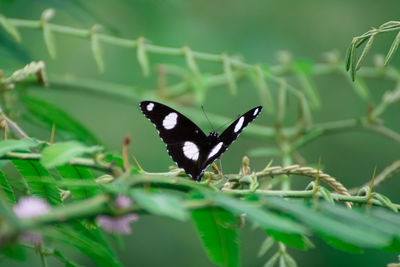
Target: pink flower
x=122, y=202
x=28, y=207
x=33, y=238
x=119, y=225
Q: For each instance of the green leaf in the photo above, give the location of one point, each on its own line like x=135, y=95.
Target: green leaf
x=62, y=258
x=66, y=126
x=264, y=152
x=38, y=180
x=365, y=51
x=142, y=56
x=292, y=240
x=385, y=201
x=266, y=246
x=230, y=77
x=331, y=226
x=290, y=262
x=255, y=213
x=10, y=28
x=326, y=194
x=14, y=251
x=217, y=230
x=61, y=153
x=368, y=224
x=392, y=49
x=96, y=251
x=6, y=188
x=361, y=88
x=16, y=145
x=49, y=40
x=271, y=262
x=97, y=53
x=348, y=57
x=79, y=173
x=309, y=88
x=258, y=78
x=341, y=245
x=160, y=203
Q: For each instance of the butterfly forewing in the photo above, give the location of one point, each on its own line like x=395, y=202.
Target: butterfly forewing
x=186, y=143
x=231, y=133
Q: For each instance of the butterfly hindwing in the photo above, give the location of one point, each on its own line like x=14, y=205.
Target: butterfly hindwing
x=186, y=143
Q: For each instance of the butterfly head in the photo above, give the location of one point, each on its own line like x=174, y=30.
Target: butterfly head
x=213, y=136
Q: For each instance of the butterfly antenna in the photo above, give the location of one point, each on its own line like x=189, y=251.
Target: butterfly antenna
x=202, y=108
x=229, y=122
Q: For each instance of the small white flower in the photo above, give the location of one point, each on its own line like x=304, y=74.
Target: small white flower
x=28, y=207
x=119, y=225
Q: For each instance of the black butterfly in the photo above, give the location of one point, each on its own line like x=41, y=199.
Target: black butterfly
x=186, y=143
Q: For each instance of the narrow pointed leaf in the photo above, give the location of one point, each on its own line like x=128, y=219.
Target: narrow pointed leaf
x=10, y=28
x=264, y=152
x=361, y=88
x=290, y=262
x=142, y=57
x=264, y=91
x=230, y=77
x=61, y=153
x=326, y=194
x=392, y=49
x=365, y=51
x=97, y=53
x=49, y=40
x=271, y=262
x=385, y=201
x=266, y=246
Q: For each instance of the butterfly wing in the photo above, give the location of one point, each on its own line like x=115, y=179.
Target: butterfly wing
x=230, y=134
x=185, y=141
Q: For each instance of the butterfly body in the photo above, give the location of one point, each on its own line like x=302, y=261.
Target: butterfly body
x=186, y=143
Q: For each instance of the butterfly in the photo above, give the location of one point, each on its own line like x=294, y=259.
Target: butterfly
x=186, y=143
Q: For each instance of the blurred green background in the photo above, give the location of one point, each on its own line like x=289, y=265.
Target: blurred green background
x=256, y=30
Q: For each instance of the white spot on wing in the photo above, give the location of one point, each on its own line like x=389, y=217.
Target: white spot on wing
x=170, y=120
x=190, y=150
x=215, y=150
x=255, y=112
x=150, y=106
x=239, y=125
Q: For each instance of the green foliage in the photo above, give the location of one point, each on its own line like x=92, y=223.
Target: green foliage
x=218, y=231
x=6, y=188
x=16, y=145
x=78, y=169
x=66, y=126
x=160, y=203
x=38, y=180
x=97, y=252
x=79, y=192
x=61, y=153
